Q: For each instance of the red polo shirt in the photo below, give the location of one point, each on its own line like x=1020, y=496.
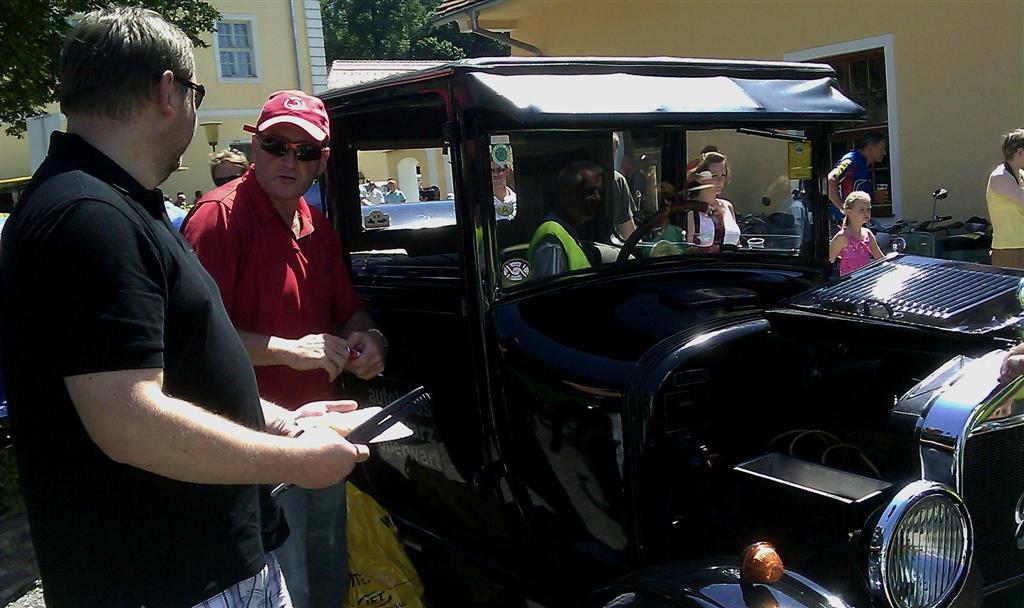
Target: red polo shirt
x=273, y=283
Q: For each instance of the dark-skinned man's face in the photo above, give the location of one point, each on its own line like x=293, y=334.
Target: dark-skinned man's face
x=584, y=201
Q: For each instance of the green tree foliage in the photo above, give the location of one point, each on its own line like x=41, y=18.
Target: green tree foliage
x=32, y=33
x=396, y=29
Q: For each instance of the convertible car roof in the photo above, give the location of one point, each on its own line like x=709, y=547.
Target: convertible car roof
x=552, y=89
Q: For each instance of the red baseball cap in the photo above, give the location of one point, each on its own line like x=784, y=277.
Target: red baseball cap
x=296, y=108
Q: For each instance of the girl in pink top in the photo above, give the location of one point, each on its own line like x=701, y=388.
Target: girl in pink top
x=854, y=245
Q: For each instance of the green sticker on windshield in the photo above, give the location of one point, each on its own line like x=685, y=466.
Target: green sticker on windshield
x=501, y=154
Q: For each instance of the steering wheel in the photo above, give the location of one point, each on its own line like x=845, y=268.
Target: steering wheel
x=629, y=247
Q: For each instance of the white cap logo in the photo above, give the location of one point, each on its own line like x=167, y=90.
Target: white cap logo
x=294, y=103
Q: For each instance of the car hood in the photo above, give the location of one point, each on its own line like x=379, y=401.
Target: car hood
x=914, y=290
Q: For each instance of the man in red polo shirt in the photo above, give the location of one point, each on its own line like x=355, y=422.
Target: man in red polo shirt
x=279, y=268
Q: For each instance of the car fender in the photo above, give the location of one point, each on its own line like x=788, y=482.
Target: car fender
x=708, y=584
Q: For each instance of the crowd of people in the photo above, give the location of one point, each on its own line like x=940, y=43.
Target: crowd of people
x=370, y=193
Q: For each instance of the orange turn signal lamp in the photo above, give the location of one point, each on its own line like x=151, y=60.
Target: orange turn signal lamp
x=760, y=563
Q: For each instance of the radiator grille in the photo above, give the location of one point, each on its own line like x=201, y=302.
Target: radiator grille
x=993, y=483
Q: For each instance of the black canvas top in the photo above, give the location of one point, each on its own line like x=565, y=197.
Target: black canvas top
x=541, y=89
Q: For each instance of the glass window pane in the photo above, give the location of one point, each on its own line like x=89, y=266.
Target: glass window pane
x=224, y=39
x=227, y=63
x=858, y=76
x=676, y=220
x=242, y=35
x=877, y=108
x=876, y=72
x=245, y=64
x=843, y=74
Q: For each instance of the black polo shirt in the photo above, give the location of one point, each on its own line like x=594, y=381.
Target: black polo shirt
x=93, y=278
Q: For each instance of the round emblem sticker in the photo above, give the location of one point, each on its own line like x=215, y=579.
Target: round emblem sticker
x=516, y=270
x=504, y=210
x=501, y=153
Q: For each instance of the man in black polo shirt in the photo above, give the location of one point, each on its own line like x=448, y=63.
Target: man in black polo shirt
x=140, y=437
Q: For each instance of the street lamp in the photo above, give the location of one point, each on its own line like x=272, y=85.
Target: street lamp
x=212, y=129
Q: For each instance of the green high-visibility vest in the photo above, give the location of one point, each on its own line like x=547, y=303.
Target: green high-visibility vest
x=573, y=253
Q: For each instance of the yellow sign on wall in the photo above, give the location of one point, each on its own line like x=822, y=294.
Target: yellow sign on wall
x=799, y=160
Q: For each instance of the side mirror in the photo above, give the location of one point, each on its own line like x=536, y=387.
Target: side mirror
x=937, y=196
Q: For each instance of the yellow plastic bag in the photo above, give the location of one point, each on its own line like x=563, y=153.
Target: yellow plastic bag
x=380, y=573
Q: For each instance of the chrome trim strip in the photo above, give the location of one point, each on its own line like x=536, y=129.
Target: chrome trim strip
x=1001, y=424
x=956, y=410
x=996, y=587
x=880, y=542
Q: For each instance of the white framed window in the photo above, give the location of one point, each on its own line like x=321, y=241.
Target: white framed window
x=235, y=49
x=885, y=108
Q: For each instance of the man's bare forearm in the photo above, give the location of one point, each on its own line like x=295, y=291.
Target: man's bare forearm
x=833, y=193
x=135, y=423
x=267, y=350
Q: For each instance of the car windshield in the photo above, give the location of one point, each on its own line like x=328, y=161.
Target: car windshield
x=569, y=201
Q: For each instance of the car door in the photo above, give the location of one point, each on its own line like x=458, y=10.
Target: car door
x=408, y=265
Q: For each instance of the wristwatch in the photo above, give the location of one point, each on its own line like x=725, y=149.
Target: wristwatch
x=383, y=340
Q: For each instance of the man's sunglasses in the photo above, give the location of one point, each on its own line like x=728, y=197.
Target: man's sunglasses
x=200, y=90
x=279, y=147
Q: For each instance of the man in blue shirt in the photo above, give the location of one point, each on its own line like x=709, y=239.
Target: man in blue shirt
x=852, y=173
x=393, y=194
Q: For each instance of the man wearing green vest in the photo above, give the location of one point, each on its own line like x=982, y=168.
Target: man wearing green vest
x=555, y=247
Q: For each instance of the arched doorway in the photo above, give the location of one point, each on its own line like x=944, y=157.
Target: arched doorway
x=407, y=181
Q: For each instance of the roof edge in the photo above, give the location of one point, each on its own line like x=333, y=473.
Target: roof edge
x=453, y=15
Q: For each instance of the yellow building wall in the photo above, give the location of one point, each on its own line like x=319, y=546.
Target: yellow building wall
x=959, y=66
x=234, y=103
x=395, y=156
x=373, y=165
x=15, y=160
x=231, y=102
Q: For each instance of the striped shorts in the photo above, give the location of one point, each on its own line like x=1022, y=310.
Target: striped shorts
x=265, y=590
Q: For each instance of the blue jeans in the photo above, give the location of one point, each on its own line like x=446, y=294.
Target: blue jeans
x=314, y=559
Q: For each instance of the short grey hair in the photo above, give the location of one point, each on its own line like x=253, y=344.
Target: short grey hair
x=111, y=63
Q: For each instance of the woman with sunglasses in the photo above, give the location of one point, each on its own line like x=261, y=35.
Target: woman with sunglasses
x=227, y=165
x=705, y=184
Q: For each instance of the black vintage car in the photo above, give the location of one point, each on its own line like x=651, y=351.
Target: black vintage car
x=616, y=434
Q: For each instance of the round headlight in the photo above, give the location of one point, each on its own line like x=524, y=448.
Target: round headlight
x=920, y=550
